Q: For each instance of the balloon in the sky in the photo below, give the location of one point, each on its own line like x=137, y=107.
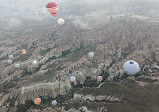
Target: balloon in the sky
x=131, y=67
x=61, y=21
x=17, y=65
x=73, y=78
x=91, y=54
x=10, y=56
x=24, y=51
x=54, y=103
x=99, y=78
x=52, y=8
x=37, y=101
x=9, y=61
x=34, y=62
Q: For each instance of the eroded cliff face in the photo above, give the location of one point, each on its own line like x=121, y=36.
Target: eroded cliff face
x=80, y=97
x=83, y=108
x=51, y=89
x=61, y=87
x=63, y=53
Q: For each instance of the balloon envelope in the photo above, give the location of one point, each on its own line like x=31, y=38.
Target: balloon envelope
x=10, y=56
x=34, y=62
x=131, y=67
x=99, y=78
x=37, y=101
x=54, y=103
x=73, y=78
x=91, y=54
x=57, y=55
x=9, y=61
x=24, y=51
x=17, y=65
x=52, y=8
x=61, y=21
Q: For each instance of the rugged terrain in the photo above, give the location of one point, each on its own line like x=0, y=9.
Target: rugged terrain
x=114, y=36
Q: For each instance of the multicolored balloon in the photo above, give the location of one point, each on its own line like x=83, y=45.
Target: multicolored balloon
x=52, y=8
x=24, y=51
x=37, y=101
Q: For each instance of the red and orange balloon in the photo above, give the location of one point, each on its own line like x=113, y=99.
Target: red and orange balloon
x=24, y=51
x=52, y=8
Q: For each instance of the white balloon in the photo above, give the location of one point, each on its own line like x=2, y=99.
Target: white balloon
x=34, y=62
x=57, y=55
x=10, y=56
x=73, y=78
x=61, y=21
x=131, y=67
x=54, y=103
x=17, y=65
x=9, y=61
x=91, y=54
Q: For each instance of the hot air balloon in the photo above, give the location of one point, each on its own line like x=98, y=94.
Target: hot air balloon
x=91, y=54
x=73, y=78
x=17, y=65
x=57, y=55
x=10, y=56
x=54, y=103
x=9, y=61
x=99, y=78
x=52, y=8
x=24, y=51
x=131, y=67
x=37, y=101
x=34, y=62
x=61, y=21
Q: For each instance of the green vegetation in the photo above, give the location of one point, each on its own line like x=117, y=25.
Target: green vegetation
x=28, y=104
x=50, y=75
x=76, y=55
x=63, y=98
x=148, y=80
x=64, y=53
x=6, y=86
x=89, y=83
x=24, y=57
x=24, y=46
x=60, y=99
x=53, y=65
x=42, y=52
x=137, y=98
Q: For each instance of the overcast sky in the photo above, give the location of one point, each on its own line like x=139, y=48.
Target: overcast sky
x=36, y=8
x=15, y=11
